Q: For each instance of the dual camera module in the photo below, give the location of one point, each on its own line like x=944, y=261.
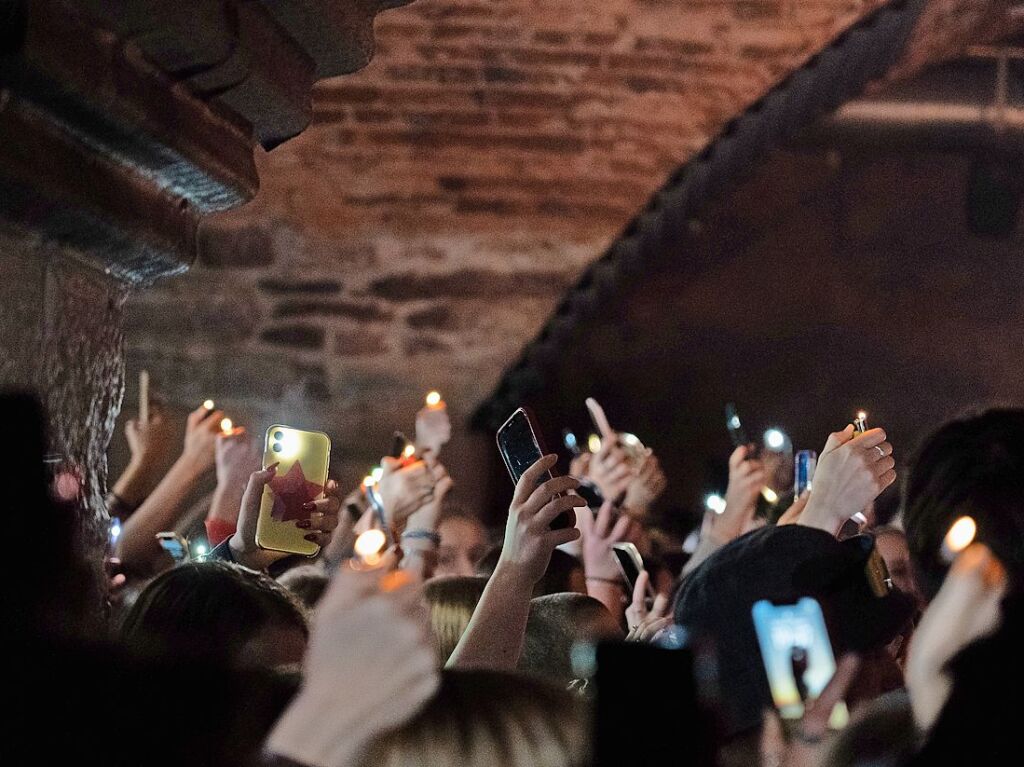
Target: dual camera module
x=277, y=446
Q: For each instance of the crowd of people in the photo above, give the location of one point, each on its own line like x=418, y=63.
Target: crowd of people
x=449, y=643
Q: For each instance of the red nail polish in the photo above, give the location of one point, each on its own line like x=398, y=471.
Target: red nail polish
x=304, y=524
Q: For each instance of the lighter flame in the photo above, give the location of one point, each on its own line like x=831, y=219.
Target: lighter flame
x=433, y=399
x=770, y=495
x=226, y=425
x=594, y=443
x=368, y=481
x=409, y=452
x=960, y=534
x=208, y=404
x=370, y=543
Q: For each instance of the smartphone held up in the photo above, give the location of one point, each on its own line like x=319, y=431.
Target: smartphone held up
x=302, y=459
x=520, y=447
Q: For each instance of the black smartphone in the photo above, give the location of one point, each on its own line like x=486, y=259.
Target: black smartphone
x=625, y=675
x=520, y=448
x=631, y=564
x=735, y=426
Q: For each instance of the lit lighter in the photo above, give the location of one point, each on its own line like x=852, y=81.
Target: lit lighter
x=860, y=423
x=960, y=536
x=368, y=549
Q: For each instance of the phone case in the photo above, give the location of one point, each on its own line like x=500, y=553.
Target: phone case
x=304, y=457
x=630, y=563
x=520, y=448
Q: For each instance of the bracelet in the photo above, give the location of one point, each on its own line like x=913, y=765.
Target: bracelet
x=614, y=581
x=425, y=535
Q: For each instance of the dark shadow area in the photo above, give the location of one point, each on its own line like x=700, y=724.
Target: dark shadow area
x=842, y=274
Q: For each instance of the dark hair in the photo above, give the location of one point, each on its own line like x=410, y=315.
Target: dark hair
x=208, y=610
x=970, y=466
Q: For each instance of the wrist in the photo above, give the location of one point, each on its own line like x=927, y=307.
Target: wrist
x=515, y=576
x=192, y=466
x=816, y=515
x=239, y=551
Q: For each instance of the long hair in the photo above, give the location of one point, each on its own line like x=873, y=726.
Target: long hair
x=452, y=601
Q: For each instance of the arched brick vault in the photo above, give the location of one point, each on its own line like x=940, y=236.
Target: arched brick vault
x=429, y=221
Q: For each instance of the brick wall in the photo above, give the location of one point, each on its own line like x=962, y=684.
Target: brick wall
x=421, y=231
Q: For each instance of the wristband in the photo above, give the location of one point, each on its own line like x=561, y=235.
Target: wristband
x=614, y=581
x=425, y=535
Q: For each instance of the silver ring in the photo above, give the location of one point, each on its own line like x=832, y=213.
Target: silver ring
x=880, y=451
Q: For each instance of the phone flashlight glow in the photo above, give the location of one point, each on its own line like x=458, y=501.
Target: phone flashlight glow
x=774, y=439
x=288, y=444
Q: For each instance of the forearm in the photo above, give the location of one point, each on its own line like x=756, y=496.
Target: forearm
x=495, y=635
x=707, y=546
x=608, y=592
x=137, y=545
x=135, y=484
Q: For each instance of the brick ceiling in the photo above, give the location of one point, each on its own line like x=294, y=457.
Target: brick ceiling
x=420, y=232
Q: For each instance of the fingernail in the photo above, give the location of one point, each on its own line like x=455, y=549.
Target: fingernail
x=304, y=524
x=273, y=466
x=311, y=537
x=310, y=506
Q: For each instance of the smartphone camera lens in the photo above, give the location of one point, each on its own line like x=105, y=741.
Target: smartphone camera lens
x=278, y=435
x=276, y=447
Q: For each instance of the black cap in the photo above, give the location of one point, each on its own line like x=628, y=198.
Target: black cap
x=782, y=564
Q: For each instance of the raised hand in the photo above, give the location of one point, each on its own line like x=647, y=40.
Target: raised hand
x=404, y=489
x=433, y=429
x=852, y=471
x=648, y=484
x=644, y=624
x=599, y=533
x=150, y=446
x=806, y=750
x=746, y=479
x=201, y=430
x=611, y=470
x=236, y=456
x=529, y=539
x=965, y=609
x=370, y=664
x=319, y=527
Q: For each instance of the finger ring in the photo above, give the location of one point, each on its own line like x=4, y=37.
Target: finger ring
x=880, y=451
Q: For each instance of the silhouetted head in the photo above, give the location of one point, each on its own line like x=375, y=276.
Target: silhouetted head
x=219, y=611
x=971, y=466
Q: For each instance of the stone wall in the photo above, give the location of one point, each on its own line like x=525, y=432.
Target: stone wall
x=424, y=227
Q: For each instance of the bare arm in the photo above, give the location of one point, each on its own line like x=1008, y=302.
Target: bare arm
x=494, y=637
x=137, y=547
